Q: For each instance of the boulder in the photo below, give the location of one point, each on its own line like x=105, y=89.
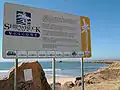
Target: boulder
x=4, y=85
x=111, y=72
x=57, y=86
x=38, y=82
x=69, y=84
x=78, y=78
x=78, y=83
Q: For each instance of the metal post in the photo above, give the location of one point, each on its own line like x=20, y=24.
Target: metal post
x=82, y=72
x=15, y=74
x=53, y=66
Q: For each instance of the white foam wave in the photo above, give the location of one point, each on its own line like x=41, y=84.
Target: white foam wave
x=4, y=71
x=48, y=70
x=57, y=75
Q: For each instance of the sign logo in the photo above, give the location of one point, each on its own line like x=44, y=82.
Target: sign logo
x=23, y=26
x=74, y=53
x=11, y=53
x=23, y=18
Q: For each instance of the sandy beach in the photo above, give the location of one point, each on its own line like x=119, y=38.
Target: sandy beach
x=61, y=80
x=106, y=85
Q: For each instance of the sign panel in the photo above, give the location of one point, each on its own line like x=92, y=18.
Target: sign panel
x=85, y=36
x=39, y=33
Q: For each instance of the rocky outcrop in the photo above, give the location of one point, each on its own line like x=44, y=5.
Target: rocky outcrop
x=98, y=80
x=57, y=86
x=69, y=84
x=38, y=82
x=4, y=85
x=111, y=72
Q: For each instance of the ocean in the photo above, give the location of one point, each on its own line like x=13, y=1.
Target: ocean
x=63, y=69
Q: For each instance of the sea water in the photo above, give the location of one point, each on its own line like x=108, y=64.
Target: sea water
x=63, y=69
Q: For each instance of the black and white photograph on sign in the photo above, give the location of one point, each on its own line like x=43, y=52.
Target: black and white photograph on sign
x=32, y=54
x=51, y=53
x=21, y=54
x=11, y=53
x=42, y=54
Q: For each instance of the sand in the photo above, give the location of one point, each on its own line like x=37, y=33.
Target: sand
x=107, y=85
x=61, y=80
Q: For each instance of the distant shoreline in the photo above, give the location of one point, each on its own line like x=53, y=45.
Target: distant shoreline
x=103, y=61
x=92, y=61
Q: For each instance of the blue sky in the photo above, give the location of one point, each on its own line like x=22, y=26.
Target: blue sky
x=104, y=16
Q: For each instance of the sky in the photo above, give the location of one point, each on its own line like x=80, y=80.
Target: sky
x=104, y=17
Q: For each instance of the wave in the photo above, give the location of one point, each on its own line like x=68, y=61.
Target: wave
x=4, y=71
x=47, y=70
x=50, y=70
x=57, y=75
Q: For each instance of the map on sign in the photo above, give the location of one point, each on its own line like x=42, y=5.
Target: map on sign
x=38, y=33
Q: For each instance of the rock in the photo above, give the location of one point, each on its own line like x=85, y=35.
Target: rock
x=57, y=84
x=78, y=78
x=69, y=84
x=38, y=82
x=78, y=83
x=91, y=80
x=4, y=85
x=111, y=72
x=60, y=61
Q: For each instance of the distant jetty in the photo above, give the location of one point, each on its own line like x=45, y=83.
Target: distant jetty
x=91, y=61
x=103, y=61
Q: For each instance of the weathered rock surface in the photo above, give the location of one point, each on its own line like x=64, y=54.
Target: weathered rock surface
x=57, y=86
x=69, y=84
x=39, y=81
x=78, y=83
x=111, y=72
x=4, y=85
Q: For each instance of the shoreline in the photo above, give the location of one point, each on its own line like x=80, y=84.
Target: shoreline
x=106, y=78
x=61, y=80
x=91, y=61
x=103, y=61
x=49, y=77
